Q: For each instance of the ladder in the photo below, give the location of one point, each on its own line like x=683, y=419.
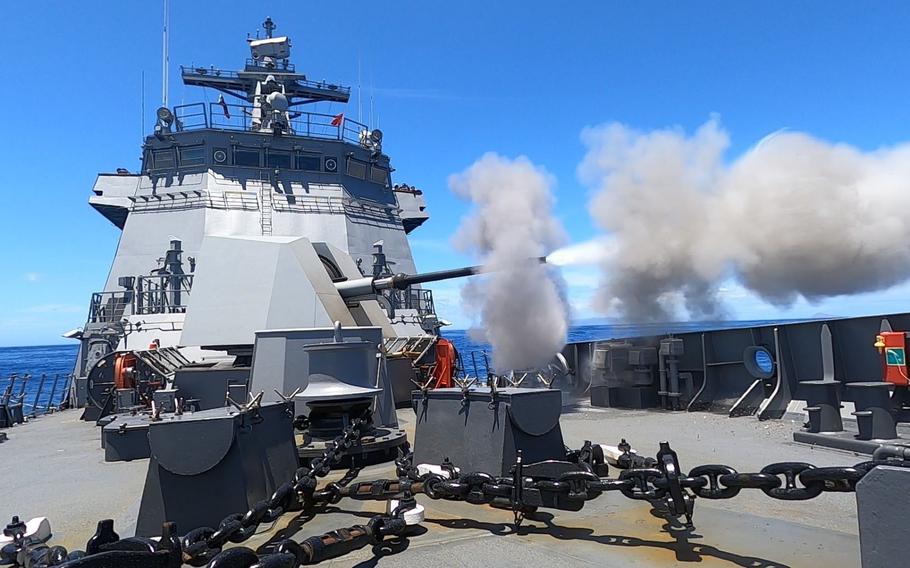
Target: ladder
x=265, y=205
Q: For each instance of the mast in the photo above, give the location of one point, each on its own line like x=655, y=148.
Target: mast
x=164, y=58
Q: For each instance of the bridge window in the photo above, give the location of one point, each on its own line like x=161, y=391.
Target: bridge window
x=379, y=175
x=163, y=159
x=357, y=169
x=246, y=157
x=309, y=162
x=191, y=155
x=278, y=160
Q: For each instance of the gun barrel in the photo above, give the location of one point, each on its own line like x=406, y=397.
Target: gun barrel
x=402, y=281
x=368, y=286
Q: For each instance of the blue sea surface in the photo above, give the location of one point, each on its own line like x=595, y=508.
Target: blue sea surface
x=56, y=361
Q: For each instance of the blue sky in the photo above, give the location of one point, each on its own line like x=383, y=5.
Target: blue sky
x=450, y=81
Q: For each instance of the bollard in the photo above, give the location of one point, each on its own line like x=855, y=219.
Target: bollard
x=823, y=398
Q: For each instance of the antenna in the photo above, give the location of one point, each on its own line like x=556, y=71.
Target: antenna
x=142, y=106
x=359, y=94
x=164, y=57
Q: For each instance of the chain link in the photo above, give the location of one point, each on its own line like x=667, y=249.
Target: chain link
x=789, y=481
x=204, y=546
x=567, y=489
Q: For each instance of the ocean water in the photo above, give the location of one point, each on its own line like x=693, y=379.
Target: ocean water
x=55, y=362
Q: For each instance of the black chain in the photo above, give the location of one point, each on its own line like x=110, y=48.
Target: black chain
x=789, y=481
x=204, y=545
x=568, y=489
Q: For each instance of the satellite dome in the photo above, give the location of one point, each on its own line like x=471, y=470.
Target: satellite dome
x=277, y=101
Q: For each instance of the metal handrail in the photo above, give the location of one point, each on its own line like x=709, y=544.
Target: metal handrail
x=56, y=397
x=198, y=116
x=246, y=200
x=193, y=200
x=281, y=66
x=419, y=299
x=109, y=307
x=155, y=293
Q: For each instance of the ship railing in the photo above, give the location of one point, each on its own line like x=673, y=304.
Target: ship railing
x=247, y=200
x=110, y=307
x=356, y=208
x=417, y=299
x=197, y=116
x=194, y=199
x=234, y=200
x=190, y=117
x=308, y=204
x=24, y=395
x=281, y=66
x=163, y=293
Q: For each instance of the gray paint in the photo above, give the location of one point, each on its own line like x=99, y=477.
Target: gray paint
x=207, y=383
x=196, y=200
x=282, y=363
x=125, y=438
x=282, y=284
x=882, y=501
x=483, y=432
x=209, y=464
x=802, y=352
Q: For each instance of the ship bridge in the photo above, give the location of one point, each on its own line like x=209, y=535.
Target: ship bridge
x=259, y=162
x=259, y=147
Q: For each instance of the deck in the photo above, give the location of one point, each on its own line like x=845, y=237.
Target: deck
x=54, y=467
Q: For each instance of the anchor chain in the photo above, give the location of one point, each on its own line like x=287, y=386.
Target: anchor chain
x=561, y=485
x=789, y=481
x=204, y=546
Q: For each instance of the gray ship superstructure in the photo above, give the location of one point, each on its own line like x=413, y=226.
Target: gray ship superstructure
x=235, y=192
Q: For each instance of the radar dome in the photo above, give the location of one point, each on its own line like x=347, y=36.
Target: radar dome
x=277, y=101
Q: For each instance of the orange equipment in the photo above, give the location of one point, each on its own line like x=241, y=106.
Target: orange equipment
x=445, y=363
x=124, y=370
x=892, y=345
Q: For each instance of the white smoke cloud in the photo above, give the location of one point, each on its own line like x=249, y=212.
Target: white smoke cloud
x=794, y=217
x=519, y=301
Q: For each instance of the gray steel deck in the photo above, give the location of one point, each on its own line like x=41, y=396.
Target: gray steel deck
x=54, y=467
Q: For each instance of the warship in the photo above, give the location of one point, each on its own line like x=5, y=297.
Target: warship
x=264, y=381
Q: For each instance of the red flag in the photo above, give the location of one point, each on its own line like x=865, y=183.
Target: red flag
x=339, y=118
x=224, y=106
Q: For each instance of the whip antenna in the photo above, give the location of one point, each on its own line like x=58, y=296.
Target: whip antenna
x=164, y=57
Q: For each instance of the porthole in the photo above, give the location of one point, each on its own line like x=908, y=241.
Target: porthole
x=220, y=156
x=759, y=362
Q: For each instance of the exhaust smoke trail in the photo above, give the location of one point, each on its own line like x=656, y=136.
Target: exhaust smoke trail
x=523, y=313
x=793, y=217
